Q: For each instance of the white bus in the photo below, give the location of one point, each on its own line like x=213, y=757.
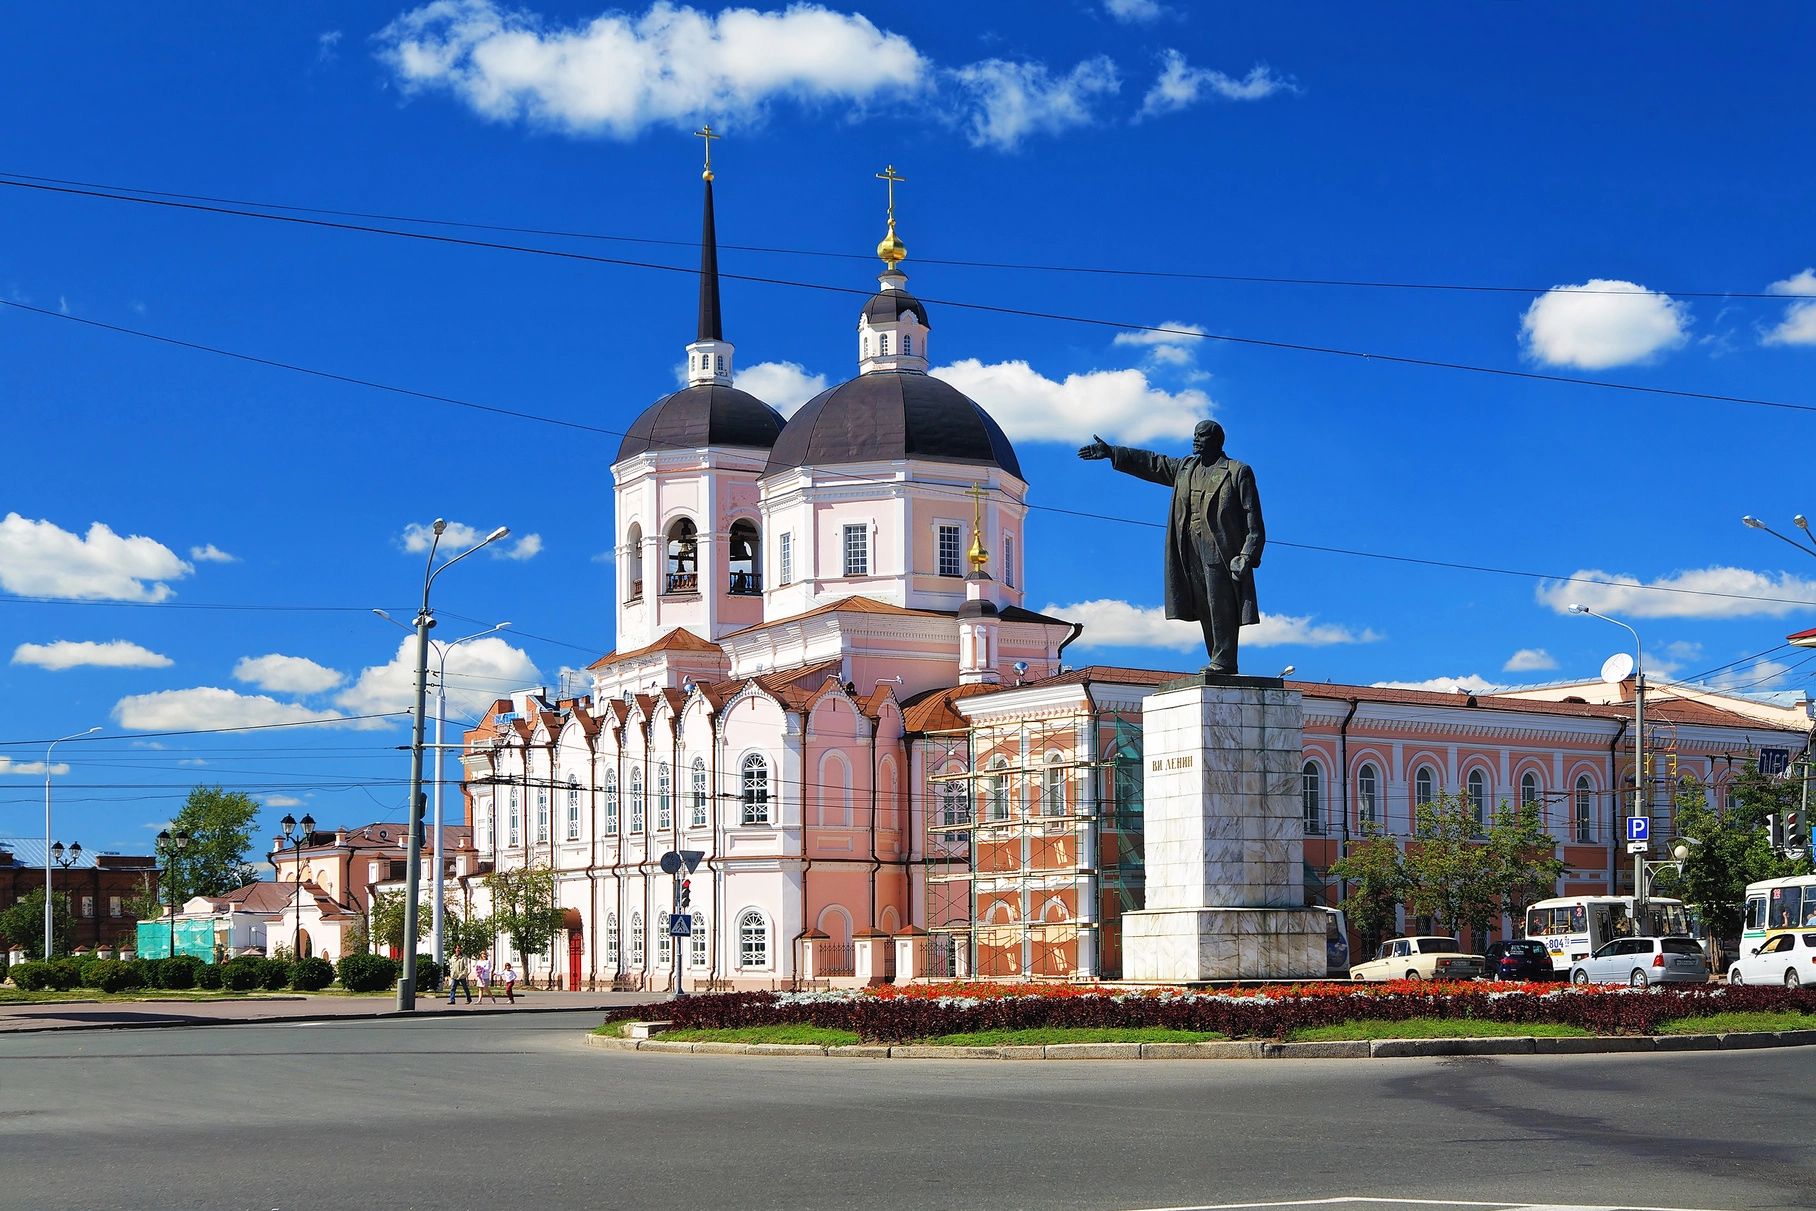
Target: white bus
x=1575, y=927
x=1777, y=904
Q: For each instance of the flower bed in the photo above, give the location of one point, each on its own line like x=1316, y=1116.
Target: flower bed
x=894, y=1015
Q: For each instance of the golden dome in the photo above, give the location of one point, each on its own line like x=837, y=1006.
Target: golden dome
x=892, y=251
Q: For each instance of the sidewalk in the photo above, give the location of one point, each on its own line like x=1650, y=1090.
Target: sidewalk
x=93, y=1015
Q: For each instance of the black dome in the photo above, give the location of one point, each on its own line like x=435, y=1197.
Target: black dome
x=891, y=415
x=703, y=415
x=886, y=307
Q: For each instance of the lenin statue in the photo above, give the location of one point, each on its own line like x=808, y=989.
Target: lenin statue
x=1214, y=535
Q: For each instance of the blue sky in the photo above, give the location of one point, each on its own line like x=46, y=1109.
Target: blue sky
x=1652, y=153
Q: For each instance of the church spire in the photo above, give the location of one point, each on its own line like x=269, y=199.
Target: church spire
x=709, y=357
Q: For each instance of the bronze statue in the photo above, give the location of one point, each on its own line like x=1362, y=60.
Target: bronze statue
x=1214, y=535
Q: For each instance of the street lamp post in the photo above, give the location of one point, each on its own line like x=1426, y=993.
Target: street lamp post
x=425, y=618
x=296, y=860
x=168, y=847
x=47, y=839
x=1639, y=755
x=56, y=853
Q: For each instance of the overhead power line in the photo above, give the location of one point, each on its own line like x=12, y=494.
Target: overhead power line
x=125, y=193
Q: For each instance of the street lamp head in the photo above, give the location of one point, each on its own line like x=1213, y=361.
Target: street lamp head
x=288, y=823
x=1801, y=522
x=75, y=849
x=163, y=841
x=181, y=840
x=1288, y=671
x=1753, y=522
x=440, y=526
x=56, y=851
x=1680, y=851
x=1576, y=608
x=308, y=825
x=500, y=532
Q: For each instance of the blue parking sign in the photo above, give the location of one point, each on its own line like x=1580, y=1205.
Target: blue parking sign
x=1639, y=828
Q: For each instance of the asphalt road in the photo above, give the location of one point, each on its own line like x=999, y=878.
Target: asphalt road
x=515, y=1112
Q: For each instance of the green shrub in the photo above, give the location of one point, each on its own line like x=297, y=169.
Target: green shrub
x=66, y=975
x=243, y=974
x=33, y=977
x=110, y=975
x=208, y=976
x=178, y=971
x=275, y=975
x=428, y=974
x=311, y=975
x=367, y=973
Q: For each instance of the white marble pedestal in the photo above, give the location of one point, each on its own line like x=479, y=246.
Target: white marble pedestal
x=1224, y=837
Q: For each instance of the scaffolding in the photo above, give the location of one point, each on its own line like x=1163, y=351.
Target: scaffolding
x=1033, y=846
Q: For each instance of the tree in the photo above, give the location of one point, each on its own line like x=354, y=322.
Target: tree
x=1522, y=858
x=523, y=908
x=1449, y=868
x=1734, y=848
x=147, y=904
x=464, y=931
x=219, y=824
x=388, y=920
x=1375, y=870
x=23, y=924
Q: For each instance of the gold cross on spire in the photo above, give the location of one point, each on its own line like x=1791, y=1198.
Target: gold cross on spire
x=891, y=250
x=978, y=555
x=708, y=135
x=888, y=174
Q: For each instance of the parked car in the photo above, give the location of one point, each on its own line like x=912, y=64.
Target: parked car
x=1643, y=961
x=1786, y=958
x=1419, y=959
x=1519, y=959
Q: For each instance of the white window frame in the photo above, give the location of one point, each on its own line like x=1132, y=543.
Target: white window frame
x=754, y=794
x=700, y=817
x=753, y=940
x=856, y=557
x=1008, y=568
x=542, y=815
x=665, y=949
x=941, y=529
x=1475, y=789
x=1583, y=828
x=611, y=940
x=1054, y=782
x=638, y=948
x=1311, y=797
x=611, y=802
x=698, y=957
x=785, y=558
x=639, y=809
x=1368, y=794
x=573, y=807
x=665, y=799
x=516, y=821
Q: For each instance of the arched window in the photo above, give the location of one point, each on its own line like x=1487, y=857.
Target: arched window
x=515, y=834
x=1529, y=789
x=542, y=815
x=755, y=790
x=637, y=805
x=885, y=339
x=611, y=802
x=835, y=791
x=1368, y=795
x=1585, y=809
x=1478, y=798
x=611, y=940
x=699, y=819
x=699, y=956
x=633, y=563
x=907, y=344
x=1424, y=785
x=637, y=939
x=665, y=799
x=955, y=807
x=573, y=808
x=753, y=940
x=664, y=947
x=996, y=790
x=683, y=558
x=1311, y=794
x=1053, y=785
x=745, y=551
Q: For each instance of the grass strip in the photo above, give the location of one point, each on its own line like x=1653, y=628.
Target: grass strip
x=1433, y=1028
x=1042, y=1036
x=1735, y=1023
x=794, y=1033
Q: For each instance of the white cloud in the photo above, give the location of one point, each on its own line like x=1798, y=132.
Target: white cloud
x=1471, y=684
x=1131, y=12
x=1171, y=343
x=1529, y=660
x=478, y=673
x=784, y=386
x=286, y=674
x=620, y=73
x=1717, y=592
x=207, y=707
x=460, y=537
x=1007, y=102
x=1110, y=623
x=1181, y=85
x=9, y=766
x=41, y=559
x=1799, y=324
x=211, y=554
x=1119, y=404
x=1602, y=323
x=281, y=801
x=114, y=654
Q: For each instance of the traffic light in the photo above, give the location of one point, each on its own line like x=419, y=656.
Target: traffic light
x=1775, y=832
x=687, y=894
x=1796, y=830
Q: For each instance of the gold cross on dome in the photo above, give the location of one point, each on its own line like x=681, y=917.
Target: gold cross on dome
x=707, y=134
x=888, y=174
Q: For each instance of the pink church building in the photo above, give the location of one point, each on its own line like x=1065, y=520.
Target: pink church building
x=828, y=684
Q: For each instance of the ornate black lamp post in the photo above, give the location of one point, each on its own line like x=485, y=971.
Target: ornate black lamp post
x=296, y=856
x=168, y=848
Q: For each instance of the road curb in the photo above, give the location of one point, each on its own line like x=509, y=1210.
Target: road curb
x=1352, y=1049
x=269, y=1019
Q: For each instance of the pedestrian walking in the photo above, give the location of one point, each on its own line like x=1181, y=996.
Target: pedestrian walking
x=460, y=974
x=510, y=984
x=483, y=971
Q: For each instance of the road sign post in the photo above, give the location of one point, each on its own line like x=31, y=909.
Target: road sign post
x=678, y=865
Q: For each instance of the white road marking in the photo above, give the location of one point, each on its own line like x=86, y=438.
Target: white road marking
x=1343, y=1199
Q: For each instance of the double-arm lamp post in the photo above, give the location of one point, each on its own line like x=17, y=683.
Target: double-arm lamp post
x=296, y=860
x=168, y=848
x=425, y=618
x=47, y=838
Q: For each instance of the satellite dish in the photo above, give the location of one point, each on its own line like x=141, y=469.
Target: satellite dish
x=1617, y=668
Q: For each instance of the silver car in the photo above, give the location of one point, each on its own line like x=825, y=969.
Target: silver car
x=1641, y=962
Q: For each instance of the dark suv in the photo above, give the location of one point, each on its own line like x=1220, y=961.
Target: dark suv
x=1522, y=959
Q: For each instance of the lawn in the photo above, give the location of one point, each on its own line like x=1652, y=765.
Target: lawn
x=1043, y=1035
x=818, y=1036
x=1726, y=1023
x=1434, y=1028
